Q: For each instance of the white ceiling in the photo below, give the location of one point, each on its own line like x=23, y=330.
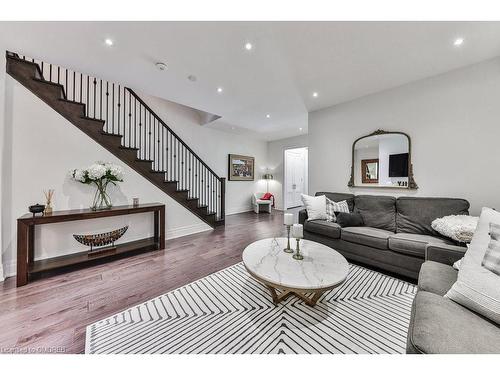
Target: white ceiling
x=290, y=60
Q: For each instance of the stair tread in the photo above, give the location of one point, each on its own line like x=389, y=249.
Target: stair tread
x=129, y=148
x=95, y=119
x=192, y=199
x=42, y=80
x=71, y=101
x=111, y=134
x=182, y=191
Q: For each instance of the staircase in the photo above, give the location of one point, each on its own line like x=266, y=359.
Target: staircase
x=118, y=119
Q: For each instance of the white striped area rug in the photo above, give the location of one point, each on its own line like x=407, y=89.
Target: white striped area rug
x=230, y=312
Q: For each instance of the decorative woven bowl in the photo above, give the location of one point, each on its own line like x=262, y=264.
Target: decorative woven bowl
x=101, y=239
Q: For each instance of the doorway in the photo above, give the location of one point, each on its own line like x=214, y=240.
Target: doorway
x=296, y=176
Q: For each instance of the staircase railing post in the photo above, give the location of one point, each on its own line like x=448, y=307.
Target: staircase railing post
x=222, y=198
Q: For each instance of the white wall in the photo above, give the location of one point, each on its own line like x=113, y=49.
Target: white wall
x=275, y=160
x=452, y=119
x=40, y=146
x=2, y=150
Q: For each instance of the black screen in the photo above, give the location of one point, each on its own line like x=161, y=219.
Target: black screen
x=398, y=165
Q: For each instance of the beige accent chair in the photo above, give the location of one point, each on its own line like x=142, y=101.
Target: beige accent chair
x=260, y=205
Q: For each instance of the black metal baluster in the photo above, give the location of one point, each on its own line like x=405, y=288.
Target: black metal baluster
x=58, y=73
x=118, y=111
x=135, y=122
x=140, y=130
x=50, y=73
x=129, y=120
x=95, y=96
x=42, y=70
x=149, y=136
x=87, y=99
x=155, y=164
x=113, y=108
x=100, y=99
x=107, y=107
x=81, y=88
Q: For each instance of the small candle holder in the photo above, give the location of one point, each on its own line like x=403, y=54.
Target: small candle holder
x=298, y=255
x=288, y=249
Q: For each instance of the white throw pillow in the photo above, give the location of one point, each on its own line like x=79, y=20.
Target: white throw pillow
x=315, y=206
x=457, y=227
x=476, y=287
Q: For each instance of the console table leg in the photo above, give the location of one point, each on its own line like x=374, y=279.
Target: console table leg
x=23, y=243
x=162, y=228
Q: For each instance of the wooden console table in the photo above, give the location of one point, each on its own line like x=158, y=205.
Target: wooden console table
x=27, y=266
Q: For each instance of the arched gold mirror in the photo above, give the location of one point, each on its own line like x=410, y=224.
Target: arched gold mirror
x=382, y=159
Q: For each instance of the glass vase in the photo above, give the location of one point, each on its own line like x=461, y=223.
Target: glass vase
x=101, y=201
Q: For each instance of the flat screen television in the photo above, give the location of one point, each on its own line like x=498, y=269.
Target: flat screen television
x=398, y=165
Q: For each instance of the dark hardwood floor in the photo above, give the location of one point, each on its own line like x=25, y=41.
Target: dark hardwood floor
x=50, y=314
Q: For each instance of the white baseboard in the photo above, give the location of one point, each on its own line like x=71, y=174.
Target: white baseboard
x=238, y=210
x=10, y=269
x=187, y=230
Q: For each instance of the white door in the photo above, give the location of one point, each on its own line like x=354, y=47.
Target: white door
x=296, y=180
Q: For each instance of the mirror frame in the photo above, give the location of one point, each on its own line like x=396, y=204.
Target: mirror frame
x=411, y=181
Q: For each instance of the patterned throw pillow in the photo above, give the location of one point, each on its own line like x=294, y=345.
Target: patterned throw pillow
x=330, y=211
x=332, y=207
x=491, y=260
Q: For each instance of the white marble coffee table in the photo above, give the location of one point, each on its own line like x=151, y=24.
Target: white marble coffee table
x=321, y=269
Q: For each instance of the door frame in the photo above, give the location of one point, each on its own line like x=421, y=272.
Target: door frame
x=306, y=180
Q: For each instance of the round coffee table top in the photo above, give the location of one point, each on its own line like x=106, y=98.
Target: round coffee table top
x=322, y=267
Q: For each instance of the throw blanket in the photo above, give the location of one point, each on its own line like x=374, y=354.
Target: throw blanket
x=457, y=227
x=268, y=196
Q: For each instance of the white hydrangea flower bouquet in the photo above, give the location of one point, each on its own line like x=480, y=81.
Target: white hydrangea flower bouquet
x=101, y=174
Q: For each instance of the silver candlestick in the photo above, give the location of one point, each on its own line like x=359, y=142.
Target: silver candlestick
x=288, y=249
x=298, y=255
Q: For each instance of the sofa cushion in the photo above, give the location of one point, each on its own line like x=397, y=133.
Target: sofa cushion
x=368, y=236
x=415, y=215
x=436, y=277
x=337, y=197
x=323, y=227
x=414, y=244
x=439, y=325
x=377, y=211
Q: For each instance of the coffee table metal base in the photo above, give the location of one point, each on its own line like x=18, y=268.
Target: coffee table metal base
x=279, y=297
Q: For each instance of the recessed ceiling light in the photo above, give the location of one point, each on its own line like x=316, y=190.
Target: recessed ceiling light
x=268, y=116
x=248, y=46
x=300, y=129
x=109, y=42
x=161, y=66
x=219, y=89
x=315, y=94
x=458, y=42
x=232, y=127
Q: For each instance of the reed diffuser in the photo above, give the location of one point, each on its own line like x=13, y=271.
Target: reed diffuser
x=49, y=194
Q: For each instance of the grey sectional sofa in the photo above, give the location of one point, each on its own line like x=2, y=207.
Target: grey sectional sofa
x=396, y=231
x=439, y=325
